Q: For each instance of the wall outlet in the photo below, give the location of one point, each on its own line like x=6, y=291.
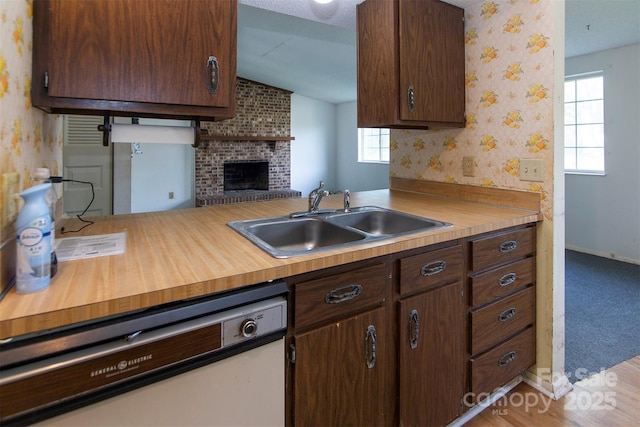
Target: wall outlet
x=469, y=166
x=531, y=170
x=171, y=195
x=10, y=199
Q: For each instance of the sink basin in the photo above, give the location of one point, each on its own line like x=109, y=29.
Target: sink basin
x=285, y=237
x=379, y=222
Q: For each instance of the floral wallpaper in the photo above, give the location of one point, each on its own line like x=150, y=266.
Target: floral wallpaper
x=509, y=104
x=29, y=138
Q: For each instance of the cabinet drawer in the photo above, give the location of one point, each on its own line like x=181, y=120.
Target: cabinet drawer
x=339, y=295
x=496, y=250
x=503, y=318
x=503, y=363
x=493, y=284
x=422, y=271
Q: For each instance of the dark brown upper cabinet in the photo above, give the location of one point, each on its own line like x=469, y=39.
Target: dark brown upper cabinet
x=148, y=58
x=410, y=64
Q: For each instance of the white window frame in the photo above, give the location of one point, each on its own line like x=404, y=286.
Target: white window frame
x=574, y=127
x=380, y=140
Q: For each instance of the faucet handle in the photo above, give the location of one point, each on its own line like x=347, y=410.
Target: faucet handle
x=347, y=201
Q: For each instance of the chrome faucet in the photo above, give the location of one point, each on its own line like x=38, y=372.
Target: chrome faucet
x=347, y=201
x=315, y=197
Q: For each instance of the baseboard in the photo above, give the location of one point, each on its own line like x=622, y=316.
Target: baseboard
x=493, y=398
x=602, y=254
x=555, y=390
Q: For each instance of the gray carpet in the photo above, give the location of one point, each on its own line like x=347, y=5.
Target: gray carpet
x=602, y=312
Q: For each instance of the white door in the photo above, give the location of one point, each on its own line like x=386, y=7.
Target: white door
x=84, y=158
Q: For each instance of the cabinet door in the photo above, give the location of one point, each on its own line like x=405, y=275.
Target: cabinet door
x=431, y=43
x=149, y=51
x=339, y=372
x=432, y=356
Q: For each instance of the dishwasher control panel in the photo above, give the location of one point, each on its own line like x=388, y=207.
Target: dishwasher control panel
x=254, y=320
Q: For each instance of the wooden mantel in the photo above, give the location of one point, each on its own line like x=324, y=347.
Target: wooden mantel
x=208, y=137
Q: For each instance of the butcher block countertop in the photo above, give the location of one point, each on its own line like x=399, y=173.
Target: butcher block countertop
x=173, y=255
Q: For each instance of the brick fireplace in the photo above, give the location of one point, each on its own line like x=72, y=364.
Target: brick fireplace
x=261, y=111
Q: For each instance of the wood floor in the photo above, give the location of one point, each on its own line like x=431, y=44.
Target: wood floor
x=610, y=398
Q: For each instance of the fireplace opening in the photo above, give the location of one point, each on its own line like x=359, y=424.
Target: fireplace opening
x=244, y=176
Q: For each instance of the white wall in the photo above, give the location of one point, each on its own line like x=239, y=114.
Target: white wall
x=326, y=148
x=603, y=212
x=313, y=157
x=146, y=178
x=351, y=174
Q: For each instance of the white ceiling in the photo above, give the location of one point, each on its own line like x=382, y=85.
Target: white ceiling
x=593, y=25
x=313, y=59
x=309, y=48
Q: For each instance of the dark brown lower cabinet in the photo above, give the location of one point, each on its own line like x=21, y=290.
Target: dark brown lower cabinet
x=401, y=340
x=431, y=356
x=340, y=372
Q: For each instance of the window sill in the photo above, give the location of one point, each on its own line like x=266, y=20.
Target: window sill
x=373, y=162
x=587, y=173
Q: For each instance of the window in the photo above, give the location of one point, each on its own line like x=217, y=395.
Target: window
x=584, y=124
x=373, y=145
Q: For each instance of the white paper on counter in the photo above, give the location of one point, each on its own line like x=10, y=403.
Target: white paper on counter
x=71, y=248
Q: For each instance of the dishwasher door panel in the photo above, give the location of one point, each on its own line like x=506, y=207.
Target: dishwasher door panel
x=246, y=389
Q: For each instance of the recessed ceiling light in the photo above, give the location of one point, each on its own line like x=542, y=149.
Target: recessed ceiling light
x=323, y=1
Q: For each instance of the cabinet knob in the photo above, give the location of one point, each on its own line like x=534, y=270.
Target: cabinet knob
x=213, y=74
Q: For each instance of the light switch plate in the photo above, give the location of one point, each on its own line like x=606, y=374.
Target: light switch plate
x=531, y=170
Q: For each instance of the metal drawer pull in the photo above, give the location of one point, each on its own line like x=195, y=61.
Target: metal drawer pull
x=343, y=294
x=507, y=358
x=414, y=329
x=370, y=347
x=213, y=74
x=433, y=268
x=411, y=98
x=507, y=279
x=507, y=314
x=508, y=246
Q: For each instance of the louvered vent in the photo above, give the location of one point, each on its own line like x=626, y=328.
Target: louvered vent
x=82, y=129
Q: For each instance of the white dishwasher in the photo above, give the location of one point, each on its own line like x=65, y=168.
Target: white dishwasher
x=207, y=362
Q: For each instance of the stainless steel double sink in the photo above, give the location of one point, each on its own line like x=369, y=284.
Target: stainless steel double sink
x=288, y=236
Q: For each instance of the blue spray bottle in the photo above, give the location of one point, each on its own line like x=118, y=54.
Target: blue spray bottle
x=34, y=241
